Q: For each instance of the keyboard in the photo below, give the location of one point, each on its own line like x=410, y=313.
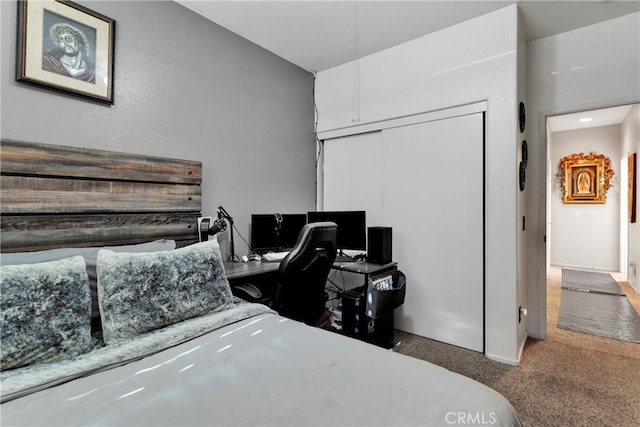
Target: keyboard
x=275, y=256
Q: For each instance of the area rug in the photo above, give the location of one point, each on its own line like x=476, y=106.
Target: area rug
x=587, y=307
x=590, y=281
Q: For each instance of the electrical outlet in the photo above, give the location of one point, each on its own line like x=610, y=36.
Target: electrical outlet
x=522, y=312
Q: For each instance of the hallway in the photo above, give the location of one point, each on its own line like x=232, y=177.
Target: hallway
x=554, y=288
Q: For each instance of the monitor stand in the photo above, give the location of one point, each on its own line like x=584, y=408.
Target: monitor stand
x=342, y=257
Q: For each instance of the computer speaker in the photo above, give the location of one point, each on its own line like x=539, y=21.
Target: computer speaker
x=379, y=245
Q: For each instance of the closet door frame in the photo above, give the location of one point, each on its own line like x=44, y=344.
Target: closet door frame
x=445, y=113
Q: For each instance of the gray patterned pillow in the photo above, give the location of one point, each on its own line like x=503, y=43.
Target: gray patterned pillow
x=140, y=292
x=90, y=254
x=46, y=312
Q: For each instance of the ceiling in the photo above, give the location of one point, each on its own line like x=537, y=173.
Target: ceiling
x=317, y=35
x=600, y=117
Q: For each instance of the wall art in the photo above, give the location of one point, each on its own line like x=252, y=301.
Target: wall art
x=585, y=178
x=66, y=47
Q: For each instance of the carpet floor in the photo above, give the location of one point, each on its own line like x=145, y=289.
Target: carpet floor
x=568, y=379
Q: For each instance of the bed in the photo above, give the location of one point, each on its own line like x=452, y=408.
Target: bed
x=114, y=314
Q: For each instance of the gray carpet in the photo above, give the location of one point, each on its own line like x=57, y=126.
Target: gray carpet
x=598, y=312
x=556, y=384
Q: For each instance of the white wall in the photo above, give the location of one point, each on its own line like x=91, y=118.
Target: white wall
x=587, y=235
x=522, y=199
x=466, y=63
x=595, y=66
x=630, y=142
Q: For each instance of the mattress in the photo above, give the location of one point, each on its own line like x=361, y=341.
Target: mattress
x=265, y=370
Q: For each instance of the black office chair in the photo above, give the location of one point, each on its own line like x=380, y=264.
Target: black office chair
x=300, y=292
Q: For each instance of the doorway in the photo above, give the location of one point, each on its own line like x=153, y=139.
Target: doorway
x=597, y=236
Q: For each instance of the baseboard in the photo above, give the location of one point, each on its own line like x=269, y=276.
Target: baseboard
x=502, y=359
x=510, y=361
x=524, y=342
x=589, y=268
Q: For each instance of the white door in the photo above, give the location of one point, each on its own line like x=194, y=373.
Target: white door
x=351, y=177
x=426, y=181
x=434, y=200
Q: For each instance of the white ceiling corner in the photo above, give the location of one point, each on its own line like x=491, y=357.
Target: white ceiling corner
x=317, y=35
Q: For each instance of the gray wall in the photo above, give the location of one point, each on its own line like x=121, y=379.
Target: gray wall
x=184, y=88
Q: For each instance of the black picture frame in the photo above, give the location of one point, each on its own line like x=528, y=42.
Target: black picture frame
x=522, y=175
x=66, y=47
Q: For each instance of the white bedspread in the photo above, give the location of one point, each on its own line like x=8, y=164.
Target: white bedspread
x=267, y=370
x=26, y=380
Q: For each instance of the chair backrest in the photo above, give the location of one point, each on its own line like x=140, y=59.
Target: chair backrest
x=303, y=273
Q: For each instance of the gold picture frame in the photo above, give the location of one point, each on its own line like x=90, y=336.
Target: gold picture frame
x=583, y=182
x=584, y=178
x=66, y=47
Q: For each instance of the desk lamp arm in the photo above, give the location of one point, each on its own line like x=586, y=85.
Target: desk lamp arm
x=223, y=214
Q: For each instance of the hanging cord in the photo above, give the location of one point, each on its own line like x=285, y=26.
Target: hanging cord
x=356, y=66
x=315, y=123
x=243, y=239
x=335, y=289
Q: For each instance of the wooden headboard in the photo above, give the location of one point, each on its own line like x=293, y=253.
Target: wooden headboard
x=57, y=196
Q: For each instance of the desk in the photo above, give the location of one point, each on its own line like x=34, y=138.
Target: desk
x=366, y=269
x=363, y=267
x=263, y=274
x=355, y=324
x=243, y=270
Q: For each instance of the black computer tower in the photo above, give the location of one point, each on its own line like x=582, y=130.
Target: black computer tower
x=356, y=324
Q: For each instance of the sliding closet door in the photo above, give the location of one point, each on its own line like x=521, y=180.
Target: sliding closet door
x=352, y=177
x=425, y=180
x=433, y=197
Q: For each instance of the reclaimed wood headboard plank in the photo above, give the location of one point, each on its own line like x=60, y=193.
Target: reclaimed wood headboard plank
x=57, y=196
x=30, y=158
x=53, y=195
x=54, y=231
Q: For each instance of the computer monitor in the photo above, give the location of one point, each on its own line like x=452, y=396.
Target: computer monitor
x=267, y=236
x=352, y=227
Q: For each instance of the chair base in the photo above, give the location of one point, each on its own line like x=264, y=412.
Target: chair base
x=324, y=322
